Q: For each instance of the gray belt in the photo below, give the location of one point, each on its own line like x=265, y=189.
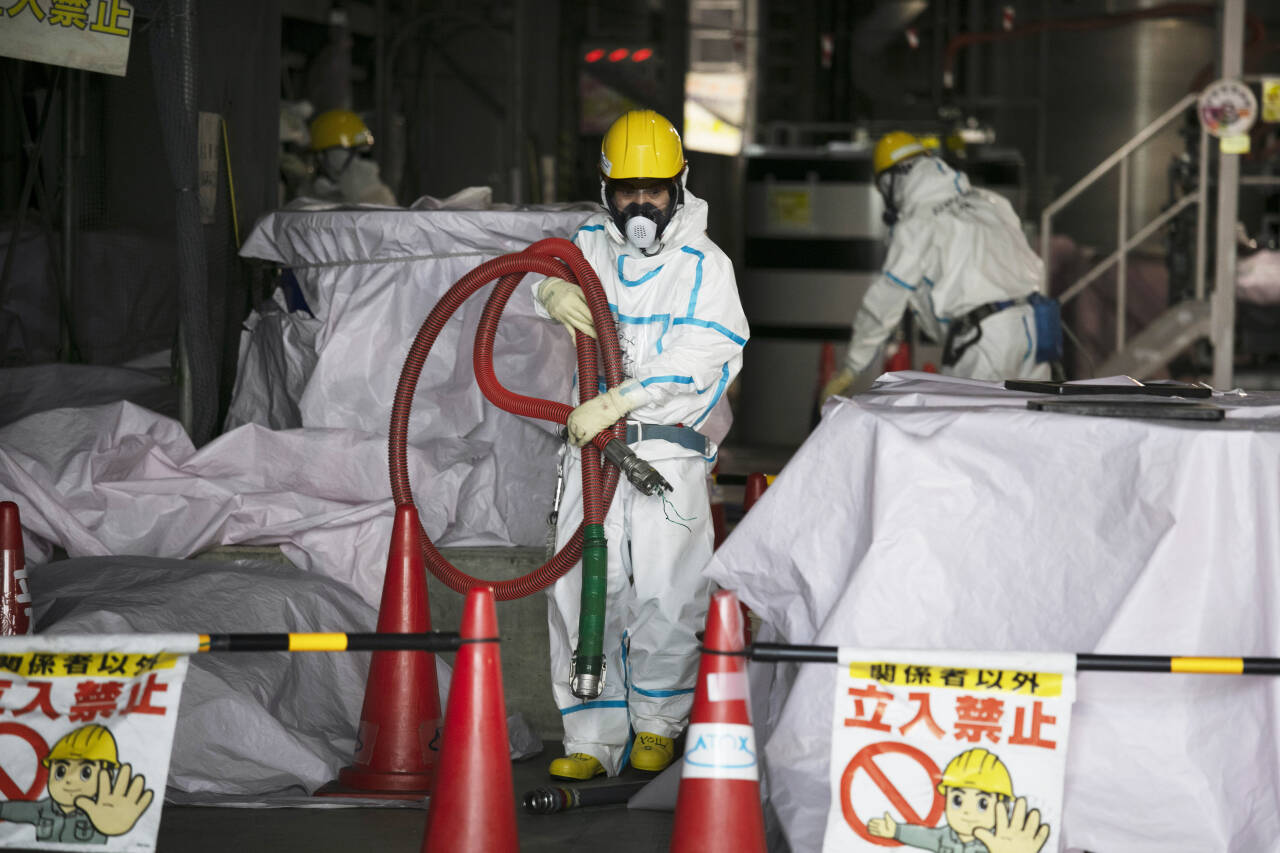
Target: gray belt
x=681, y=435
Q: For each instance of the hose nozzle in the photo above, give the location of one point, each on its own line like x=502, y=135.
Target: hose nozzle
x=586, y=677
x=641, y=474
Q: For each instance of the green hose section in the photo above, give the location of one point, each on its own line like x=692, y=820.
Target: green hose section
x=595, y=571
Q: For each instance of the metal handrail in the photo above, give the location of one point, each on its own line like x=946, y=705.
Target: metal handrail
x=1125, y=241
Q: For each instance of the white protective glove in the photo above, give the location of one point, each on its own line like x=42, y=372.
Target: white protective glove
x=566, y=303
x=600, y=413
x=838, y=384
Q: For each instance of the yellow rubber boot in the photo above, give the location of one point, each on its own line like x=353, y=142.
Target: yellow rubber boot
x=652, y=752
x=576, y=767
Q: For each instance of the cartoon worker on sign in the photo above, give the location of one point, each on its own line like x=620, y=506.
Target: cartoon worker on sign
x=91, y=794
x=978, y=791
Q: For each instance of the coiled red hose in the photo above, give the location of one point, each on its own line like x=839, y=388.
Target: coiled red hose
x=552, y=257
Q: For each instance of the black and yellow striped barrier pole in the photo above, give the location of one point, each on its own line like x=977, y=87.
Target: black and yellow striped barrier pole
x=781, y=652
x=339, y=641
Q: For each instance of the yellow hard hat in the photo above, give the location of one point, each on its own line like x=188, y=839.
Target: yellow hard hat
x=339, y=128
x=893, y=148
x=87, y=743
x=977, y=768
x=641, y=144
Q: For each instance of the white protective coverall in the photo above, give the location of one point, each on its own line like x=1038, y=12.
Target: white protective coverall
x=681, y=329
x=953, y=249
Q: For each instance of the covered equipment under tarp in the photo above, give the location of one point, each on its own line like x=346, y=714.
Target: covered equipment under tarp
x=936, y=513
x=304, y=463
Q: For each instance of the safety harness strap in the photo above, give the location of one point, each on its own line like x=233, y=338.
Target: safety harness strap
x=965, y=331
x=681, y=435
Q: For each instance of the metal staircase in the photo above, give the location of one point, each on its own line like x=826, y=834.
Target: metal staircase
x=1181, y=324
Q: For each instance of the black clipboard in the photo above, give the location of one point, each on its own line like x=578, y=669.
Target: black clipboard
x=1157, y=389
x=1162, y=409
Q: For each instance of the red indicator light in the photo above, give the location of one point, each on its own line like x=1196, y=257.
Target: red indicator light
x=618, y=55
x=594, y=55
x=641, y=55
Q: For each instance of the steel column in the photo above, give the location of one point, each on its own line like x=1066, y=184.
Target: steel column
x=1223, y=319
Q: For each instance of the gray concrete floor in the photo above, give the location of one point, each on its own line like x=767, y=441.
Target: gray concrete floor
x=199, y=829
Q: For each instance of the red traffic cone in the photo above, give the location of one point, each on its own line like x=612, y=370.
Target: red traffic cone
x=476, y=811
x=15, y=599
x=719, y=528
x=718, y=807
x=401, y=715
x=900, y=358
x=826, y=366
x=756, y=484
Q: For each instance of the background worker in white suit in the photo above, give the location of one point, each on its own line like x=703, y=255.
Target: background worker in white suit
x=958, y=258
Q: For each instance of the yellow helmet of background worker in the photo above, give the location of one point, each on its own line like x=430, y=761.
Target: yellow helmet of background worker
x=339, y=129
x=894, y=148
x=977, y=768
x=88, y=743
x=641, y=144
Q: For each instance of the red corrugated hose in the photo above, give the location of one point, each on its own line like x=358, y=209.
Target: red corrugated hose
x=552, y=257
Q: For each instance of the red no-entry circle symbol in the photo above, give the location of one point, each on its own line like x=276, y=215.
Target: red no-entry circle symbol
x=10, y=788
x=865, y=761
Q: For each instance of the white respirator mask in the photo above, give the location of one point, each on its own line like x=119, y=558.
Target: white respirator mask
x=642, y=231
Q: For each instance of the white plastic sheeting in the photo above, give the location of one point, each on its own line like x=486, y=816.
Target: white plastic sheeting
x=146, y=381
x=370, y=278
x=935, y=513
x=119, y=479
x=255, y=727
x=237, y=732
x=304, y=465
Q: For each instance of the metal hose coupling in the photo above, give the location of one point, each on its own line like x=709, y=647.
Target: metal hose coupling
x=641, y=474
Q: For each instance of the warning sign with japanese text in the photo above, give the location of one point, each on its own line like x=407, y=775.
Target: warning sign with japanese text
x=949, y=750
x=86, y=729
x=89, y=34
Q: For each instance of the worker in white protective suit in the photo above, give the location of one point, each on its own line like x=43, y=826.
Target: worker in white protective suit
x=958, y=258
x=345, y=170
x=681, y=329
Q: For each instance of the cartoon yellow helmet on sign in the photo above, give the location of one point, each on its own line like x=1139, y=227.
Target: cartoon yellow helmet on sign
x=977, y=768
x=88, y=743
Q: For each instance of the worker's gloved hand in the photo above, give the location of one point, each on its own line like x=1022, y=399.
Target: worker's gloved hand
x=839, y=384
x=566, y=303
x=599, y=413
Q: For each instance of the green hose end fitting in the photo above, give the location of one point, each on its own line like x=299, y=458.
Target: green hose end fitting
x=587, y=680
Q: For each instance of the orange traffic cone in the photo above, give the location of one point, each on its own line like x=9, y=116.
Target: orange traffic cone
x=15, y=599
x=476, y=811
x=718, y=807
x=400, y=720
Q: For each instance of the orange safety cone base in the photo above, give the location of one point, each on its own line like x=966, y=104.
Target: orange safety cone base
x=400, y=718
x=474, y=809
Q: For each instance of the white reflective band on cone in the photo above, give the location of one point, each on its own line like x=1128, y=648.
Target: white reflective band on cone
x=720, y=751
x=726, y=686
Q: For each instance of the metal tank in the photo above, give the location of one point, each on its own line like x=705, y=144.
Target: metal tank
x=1106, y=85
